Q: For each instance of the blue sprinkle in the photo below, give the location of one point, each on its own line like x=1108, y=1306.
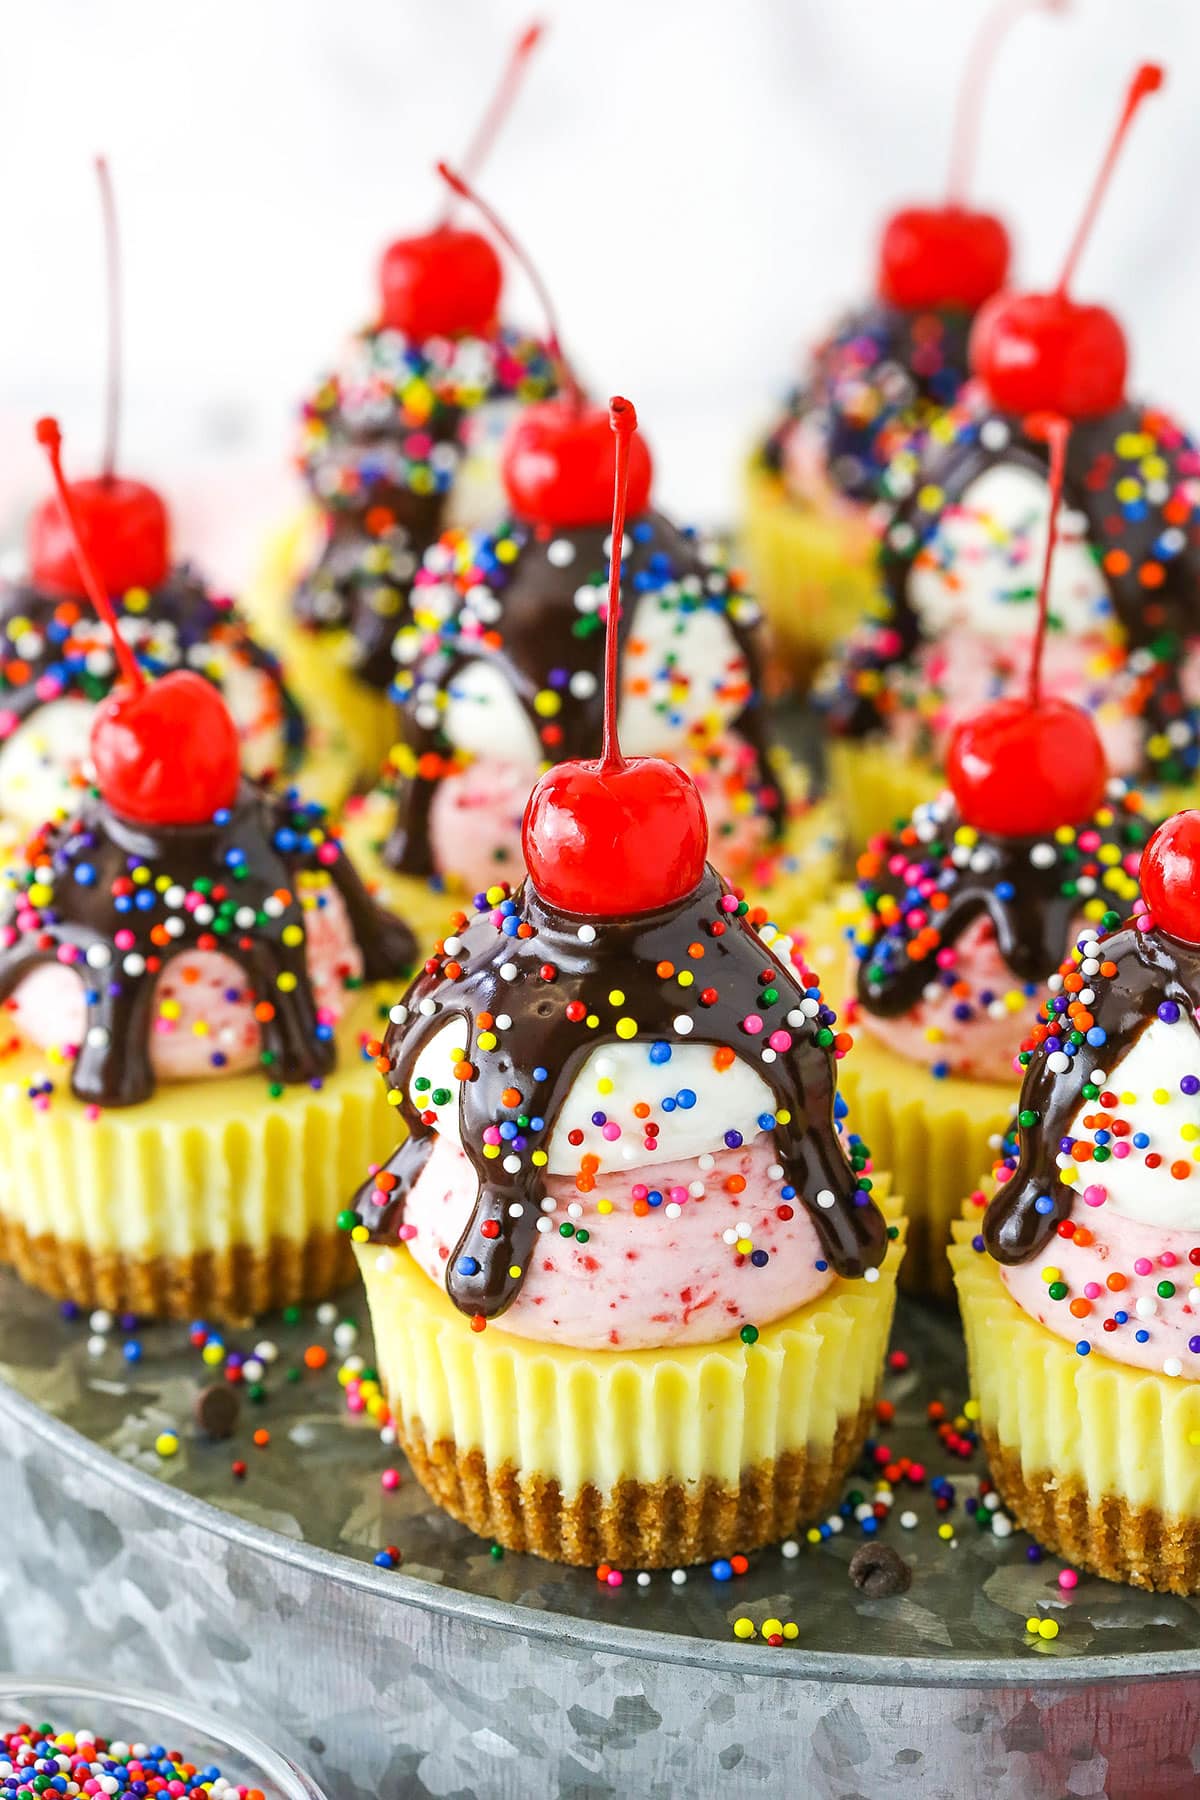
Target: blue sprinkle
x=766, y=1121
x=540, y=1074
x=733, y=1140
x=660, y=1052
x=1083, y=1348
x=1043, y=1204
x=722, y=1570
x=1142, y=1337
x=686, y=1098
x=466, y=1265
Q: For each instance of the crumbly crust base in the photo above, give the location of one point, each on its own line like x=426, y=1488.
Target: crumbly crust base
x=1105, y=1533
x=644, y=1525
x=231, y=1286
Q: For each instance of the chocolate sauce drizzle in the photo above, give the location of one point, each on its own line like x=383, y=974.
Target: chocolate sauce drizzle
x=243, y=860
x=186, y=620
x=1155, y=621
x=736, y=968
x=382, y=440
x=540, y=638
x=1151, y=968
x=1033, y=904
x=879, y=375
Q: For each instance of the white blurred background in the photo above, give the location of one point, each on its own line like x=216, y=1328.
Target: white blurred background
x=700, y=182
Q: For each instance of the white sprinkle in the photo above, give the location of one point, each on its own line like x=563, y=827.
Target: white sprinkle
x=684, y=1024
x=326, y=1313
x=1058, y=1062
x=1146, y=1308
x=643, y=1579
x=549, y=1204
x=511, y=1165
x=1042, y=856
x=574, y=1211
x=544, y=1225
x=97, y=1346
x=705, y=1162
x=266, y=1351
x=826, y=1198
x=1002, y=1525
x=1172, y=1366
x=679, y=1577
x=672, y=1209
x=789, y=1548
x=452, y=946
x=991, y=1502
x=586, y=934
x=101, y=1321
x=870, y=1275
x=345, y=1335
x=508, y=971
x=503, y=1021
x=253, y=1370
x=909, y=1521
x=560, y=553
x=516, y=1210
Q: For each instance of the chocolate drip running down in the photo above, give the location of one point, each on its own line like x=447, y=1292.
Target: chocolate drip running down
x=48, y=641
x=546, y=987
x=1147, y=970
x=1033, y=890
x=881, y=374
x=381, y=442
x=230, y=887
x=1146, y=538
x=524, y=617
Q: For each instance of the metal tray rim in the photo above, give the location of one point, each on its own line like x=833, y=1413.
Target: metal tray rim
x=627, y=1641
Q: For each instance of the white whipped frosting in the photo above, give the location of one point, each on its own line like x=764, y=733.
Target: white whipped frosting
x=1155, y=1065
x=989, y=546
x=615, y=1079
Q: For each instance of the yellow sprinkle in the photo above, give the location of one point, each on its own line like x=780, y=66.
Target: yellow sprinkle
x=170, y=1009
x=812, y=1535
x=494, y=896
x=505, y=551
x=744, y=1246
x=1160, y=1096
x=538, y=1158
x=685, y=978
x=287, y=982
x=1048, y=1628
x=772, y=1628
x=626, y=1027
x=166, y=1443
x=971, y=1410
x=212, y=1354
x=616, y=998
x=782, y=1116
x=514, y=1272
x=945, y=1532
x=491, y=1151
x=592, y=1021
x=1194, y=1436
x=1033, y=1626
x=393, y=1096
x=486, y=1040
x=791, y=1629
x=743, y=1628
x=1188, y=1132
x=604, y=1085
x=292, y=935
x=546, y=703
x=606, y=1206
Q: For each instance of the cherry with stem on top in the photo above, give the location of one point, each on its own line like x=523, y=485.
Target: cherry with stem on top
x=953, y=255
x=1028, y=764
x=558, y=457
x=446, y=282
x=620, y=836
x=1046, y=352
x=122, y=523
x=165, y=752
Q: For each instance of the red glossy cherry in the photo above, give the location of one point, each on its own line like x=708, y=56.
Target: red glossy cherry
x=445, y=283
x=952, y=255
x=1047, y=352
x=1170, y=876
x=1022, y=768
x=558, y=463
x=1026, y=765
x=942, y=256
x=608, y=842
x=165, y=752
x=125, y=531
x=615, y=837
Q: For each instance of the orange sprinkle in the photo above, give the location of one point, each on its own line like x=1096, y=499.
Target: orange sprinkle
x=735, y=1184
x=316, y=1356
x=695, y=950
x=262, y=1437
x=264, y=1012
x=665, y=970
x=723, y=1057
x=1080, y=1308
x=511, y=1097
x=1116, y=1281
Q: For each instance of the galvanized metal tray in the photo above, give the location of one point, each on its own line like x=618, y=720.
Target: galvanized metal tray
x=464, y=1673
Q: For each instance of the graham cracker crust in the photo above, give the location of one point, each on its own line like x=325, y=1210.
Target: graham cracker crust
x=232, y=1286
x=645, y=1525
x=1105, y=1534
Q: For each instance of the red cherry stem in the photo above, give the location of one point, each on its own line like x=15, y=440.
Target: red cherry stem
x=463, y=188
x=964, y=142
x=499, y=106
x=1147, y=80
x=1057, y=433
x=50, y=438
x=623, y=419
x=112, y=274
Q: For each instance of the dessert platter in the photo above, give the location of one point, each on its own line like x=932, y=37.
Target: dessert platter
x=540, y=1253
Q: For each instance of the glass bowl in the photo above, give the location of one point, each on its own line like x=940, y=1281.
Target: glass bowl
x=152, y=1719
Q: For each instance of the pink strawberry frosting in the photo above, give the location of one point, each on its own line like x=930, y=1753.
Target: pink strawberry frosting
x=663, y=1274
x=983, y=1046
x=204, y=1022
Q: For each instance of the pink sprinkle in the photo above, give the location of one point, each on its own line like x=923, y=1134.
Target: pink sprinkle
x=48, y=687
x=124, y=939
x=752, y=1024
x=611, y=1131
x=1095, y=1196
x=1143, y=1266
x=780, y=1040
x=329, y=852
x=677, y=1194
x=491, y=1134
x=407, y=1233
x=390, y=1480
x=355, y=1403
x=8, y=723
x=1092, y=1290
x=639, y=1190
x=614, y=1578
x=1121, y=1149
x=1143, y=921
x=1168, y=1259
x=729, y=903
x=91, y=1112
x=946, y=957
x=1067, y=1579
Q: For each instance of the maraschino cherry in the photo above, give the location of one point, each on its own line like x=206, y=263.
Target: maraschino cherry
x=122, y=523
x=1047, y=352
x=1027, y=765
x=620, y=836
x=1170, y=876
x=558, y=459
x=446, y=282
x=953, y=255
x=165, y=752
